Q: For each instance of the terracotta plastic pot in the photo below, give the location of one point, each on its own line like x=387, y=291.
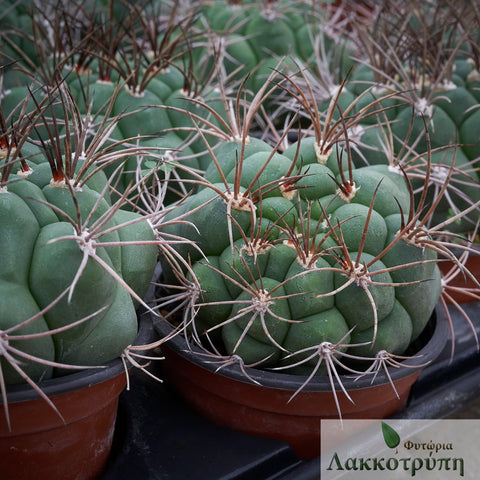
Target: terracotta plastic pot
x=228, y=398
x=41, y=446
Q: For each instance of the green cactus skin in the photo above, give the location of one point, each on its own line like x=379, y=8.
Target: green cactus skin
x=450, y=116
x=32, y=195
x=274, y=37
x=258, y=37
x=469, y=135
x=41, y=255
x=17, y=305
x=148, y=113
x=19, y=230
x=307, y=302
x=143, y=113
x=458, y=102
x=108, y=338
x=151, y=121
x=90, y=203
x=52, y=270
x=441, y=128
x=137, y=261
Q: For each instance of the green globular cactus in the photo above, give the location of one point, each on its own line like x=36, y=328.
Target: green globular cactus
x=43, y=262
x=428, y=128
x=250, y=38
x=442, y=147
x=108, y=80
x=74, y=265
x=295, y=255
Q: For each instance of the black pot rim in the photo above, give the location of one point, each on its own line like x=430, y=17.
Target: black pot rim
x=431, y=343
x=81, y=378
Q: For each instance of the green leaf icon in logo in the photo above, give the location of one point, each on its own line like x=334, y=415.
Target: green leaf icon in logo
x=391, y=437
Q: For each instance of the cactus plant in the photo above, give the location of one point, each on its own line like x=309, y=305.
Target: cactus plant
x=424, y=58
x=136, y=59
x=76, y=264
x=254, y=36
x=310, y=248
x=308, y=263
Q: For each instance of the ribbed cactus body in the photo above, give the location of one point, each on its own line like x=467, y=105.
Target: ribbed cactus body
x=256, y=37
x=270, y=301
x=159, y=114
x=42, y=255
x=448, y=111
x=147, y=113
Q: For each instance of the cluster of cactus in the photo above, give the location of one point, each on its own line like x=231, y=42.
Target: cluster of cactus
x=249, y=38
x=421, y=69
x=117, y=66
x=302, y=246
x=150, y=57
x=317, y=245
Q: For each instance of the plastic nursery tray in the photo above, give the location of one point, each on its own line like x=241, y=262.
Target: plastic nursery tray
x=158, y=437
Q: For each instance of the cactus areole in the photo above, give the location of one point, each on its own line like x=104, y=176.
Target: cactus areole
x=303, y=260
